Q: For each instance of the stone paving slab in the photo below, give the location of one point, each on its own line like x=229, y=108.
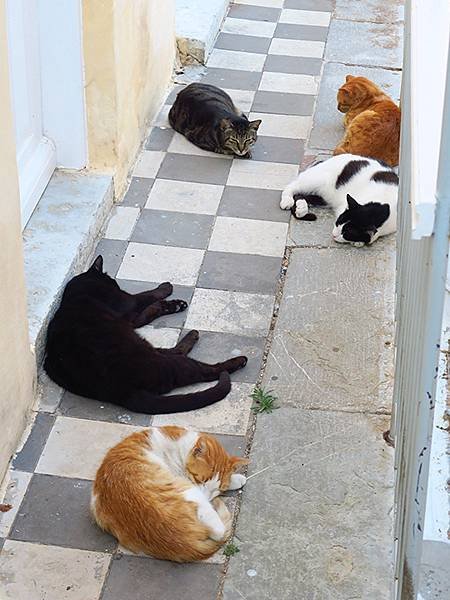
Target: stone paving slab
x=333, y=343
x=328, y=128
x=317, y=512
x=376, y=11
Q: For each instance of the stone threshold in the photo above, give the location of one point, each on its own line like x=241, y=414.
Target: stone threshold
x=58, y=240
x=197, y=24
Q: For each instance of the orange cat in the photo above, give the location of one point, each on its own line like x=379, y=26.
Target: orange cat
x=156, y=492
x=372, y=121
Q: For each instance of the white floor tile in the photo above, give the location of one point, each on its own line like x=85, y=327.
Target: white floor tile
x=305, y=17
x=230, y=312
x=148, y=262
x=160, y=337
x=248, y=27
x=65, y=454
x=243, y=99
x=181, y=145
x=248, y=236
x=229, y=416
x=184, y=196
x=265, y=3
x=231, y=59
x=34, y=572
x=263, y=175
x=162, y=118
x=148, y=163
x=288, y=126
x=122, y=222
x=289, y=83
x=15, y=491
x=300, y=48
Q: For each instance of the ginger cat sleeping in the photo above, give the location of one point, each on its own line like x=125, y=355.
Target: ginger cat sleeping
x=372, y=121
x=156, y=492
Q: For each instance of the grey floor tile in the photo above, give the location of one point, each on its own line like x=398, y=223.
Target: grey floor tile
x=323, y=5
x=251, y=203
x=233, y=79
x=281, y=150
x=55, y=511
x=239, y=272
x=160, y=580
x=255, y=13
x=233, y=444
x=198, y=169
x=370, y=44
x=243, y=43
x=113, y=252
x=159, y=138
x=290, y=31
x=138, y=191
x=170, y=228
x=85, y=408
x=27, y=458
x=292, y=64
x=278, y=103
x=180, y=292
x=2, y=541
x=215, y=347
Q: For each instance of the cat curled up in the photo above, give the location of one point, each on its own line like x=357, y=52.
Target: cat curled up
x=361, y=191
x=93, y=350
x=207, y=117
x=372, y=121
x=156, y=492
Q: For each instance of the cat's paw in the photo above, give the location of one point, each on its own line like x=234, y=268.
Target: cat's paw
x=237, y=481
x=287, y=201
x=241, y=361
x=166, y=288
x=175, y=306
x=300, y=209
x=212, y=487
x=217, y=533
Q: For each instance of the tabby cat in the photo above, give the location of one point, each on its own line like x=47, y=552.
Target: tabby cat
x=361, y=191
x=93, y=350
x=207, y=117
x=372, y=121
x=156, y=492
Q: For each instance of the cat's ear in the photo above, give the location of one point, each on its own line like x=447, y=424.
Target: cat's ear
x=352, y=203
x=349, y=78
x=254, y=124
x=237, y=462
x=225, y=124
x=97, y=265
x=199, y=448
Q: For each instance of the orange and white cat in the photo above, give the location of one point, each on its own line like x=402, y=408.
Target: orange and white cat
x=156, y=492
x=372, y=121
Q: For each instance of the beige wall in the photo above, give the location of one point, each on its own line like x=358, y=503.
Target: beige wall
x=129, y=52
x=17, y=368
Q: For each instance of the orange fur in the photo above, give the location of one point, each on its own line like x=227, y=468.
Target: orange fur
x=372, y=121
x=141, y=502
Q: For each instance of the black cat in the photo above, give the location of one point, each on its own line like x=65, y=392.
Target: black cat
x=92, y=349
x=207, y=117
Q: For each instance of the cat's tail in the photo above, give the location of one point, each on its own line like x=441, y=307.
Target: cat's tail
x=151, y=404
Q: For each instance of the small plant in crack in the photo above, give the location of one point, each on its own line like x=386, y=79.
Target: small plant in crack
x=263, y=400
x=230, y=549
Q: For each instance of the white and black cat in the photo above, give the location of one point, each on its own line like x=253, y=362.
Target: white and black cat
x=361, y=191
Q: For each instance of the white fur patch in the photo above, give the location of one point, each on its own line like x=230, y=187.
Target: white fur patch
x=205, y=511
x=237, y=481
x=169, y=453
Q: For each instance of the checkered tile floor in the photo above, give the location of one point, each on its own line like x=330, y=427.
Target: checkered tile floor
x=212, y=226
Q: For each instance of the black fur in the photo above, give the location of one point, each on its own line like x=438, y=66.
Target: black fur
x=351, y=169
x=92, y=349
x=388, y=177
x=361, y=220
x=207, y=117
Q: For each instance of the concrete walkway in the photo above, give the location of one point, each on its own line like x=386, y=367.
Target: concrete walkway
x=314, y=520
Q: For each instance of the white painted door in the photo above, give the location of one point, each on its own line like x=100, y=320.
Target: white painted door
x=36, y=154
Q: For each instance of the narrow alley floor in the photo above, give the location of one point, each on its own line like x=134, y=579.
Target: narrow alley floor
x=314, y=520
